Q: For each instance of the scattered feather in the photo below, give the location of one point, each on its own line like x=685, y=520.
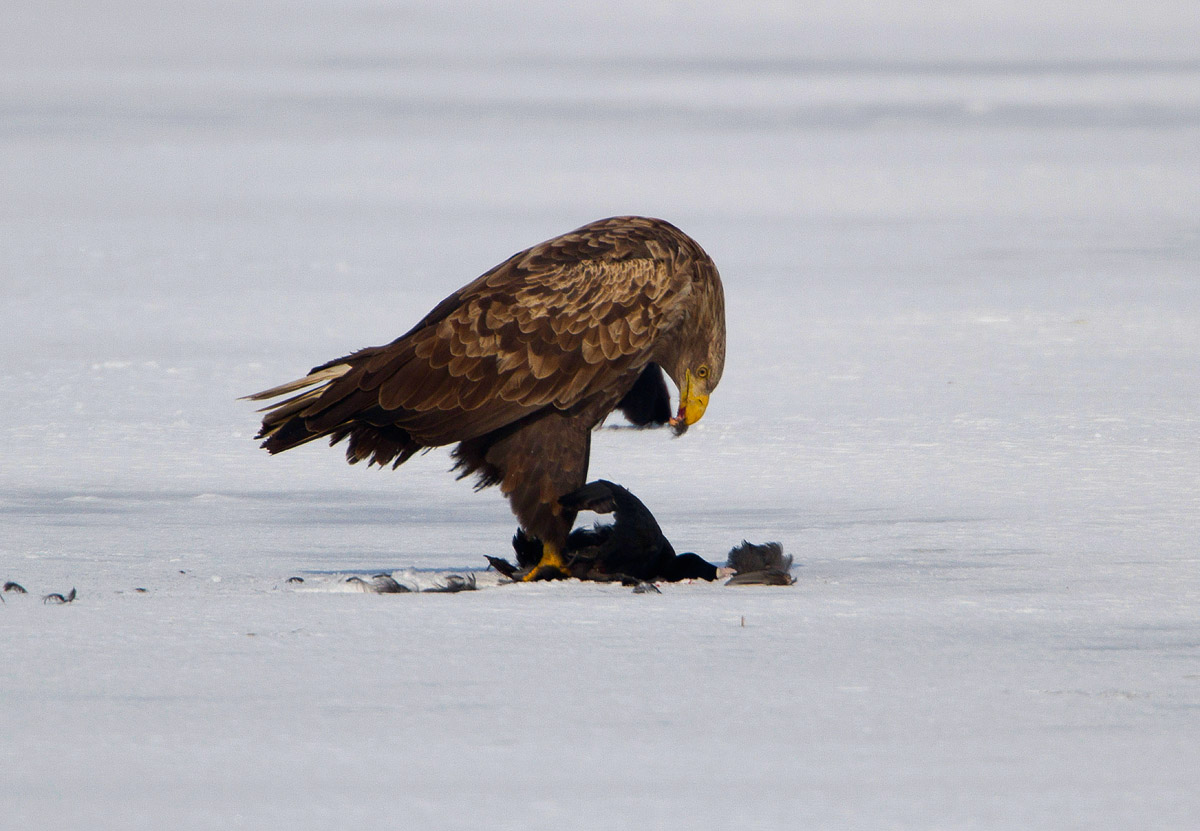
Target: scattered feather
x=58, y=598
x=380, y=584
x=455, y=583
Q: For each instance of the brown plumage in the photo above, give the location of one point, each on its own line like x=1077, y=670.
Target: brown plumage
x=520, y=365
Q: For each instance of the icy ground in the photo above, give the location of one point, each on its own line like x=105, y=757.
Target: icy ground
x=960, y=245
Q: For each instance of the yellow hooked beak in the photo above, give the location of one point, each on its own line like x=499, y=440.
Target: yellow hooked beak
x=692, y=404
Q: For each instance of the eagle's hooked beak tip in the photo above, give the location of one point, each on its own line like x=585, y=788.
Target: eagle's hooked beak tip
x=679, y=422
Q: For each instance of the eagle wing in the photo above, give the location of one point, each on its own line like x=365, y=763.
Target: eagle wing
x=551, y=326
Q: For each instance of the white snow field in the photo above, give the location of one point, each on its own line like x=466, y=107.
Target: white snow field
x=961, y=251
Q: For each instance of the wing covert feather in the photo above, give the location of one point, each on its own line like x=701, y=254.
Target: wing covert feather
x=532, y=333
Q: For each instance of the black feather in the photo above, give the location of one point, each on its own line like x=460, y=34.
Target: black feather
x=648, y=402
x=504, y=567
x=598, y=497
x=528, y=549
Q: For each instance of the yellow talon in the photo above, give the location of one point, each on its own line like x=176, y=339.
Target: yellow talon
x=551, y=561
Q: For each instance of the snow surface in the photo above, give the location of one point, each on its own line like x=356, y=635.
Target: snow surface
x=960, y=247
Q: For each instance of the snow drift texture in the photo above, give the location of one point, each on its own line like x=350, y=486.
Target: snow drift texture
x=960, y=247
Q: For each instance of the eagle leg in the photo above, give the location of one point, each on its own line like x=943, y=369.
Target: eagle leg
x=535, y=461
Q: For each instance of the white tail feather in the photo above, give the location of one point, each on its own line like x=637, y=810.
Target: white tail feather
x=316, y=378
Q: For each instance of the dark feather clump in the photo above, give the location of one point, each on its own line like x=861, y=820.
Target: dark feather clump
x=527, y=548
x=764, y=564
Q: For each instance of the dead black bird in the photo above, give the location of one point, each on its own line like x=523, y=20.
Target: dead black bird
x=633, y=549
x=633, y=545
